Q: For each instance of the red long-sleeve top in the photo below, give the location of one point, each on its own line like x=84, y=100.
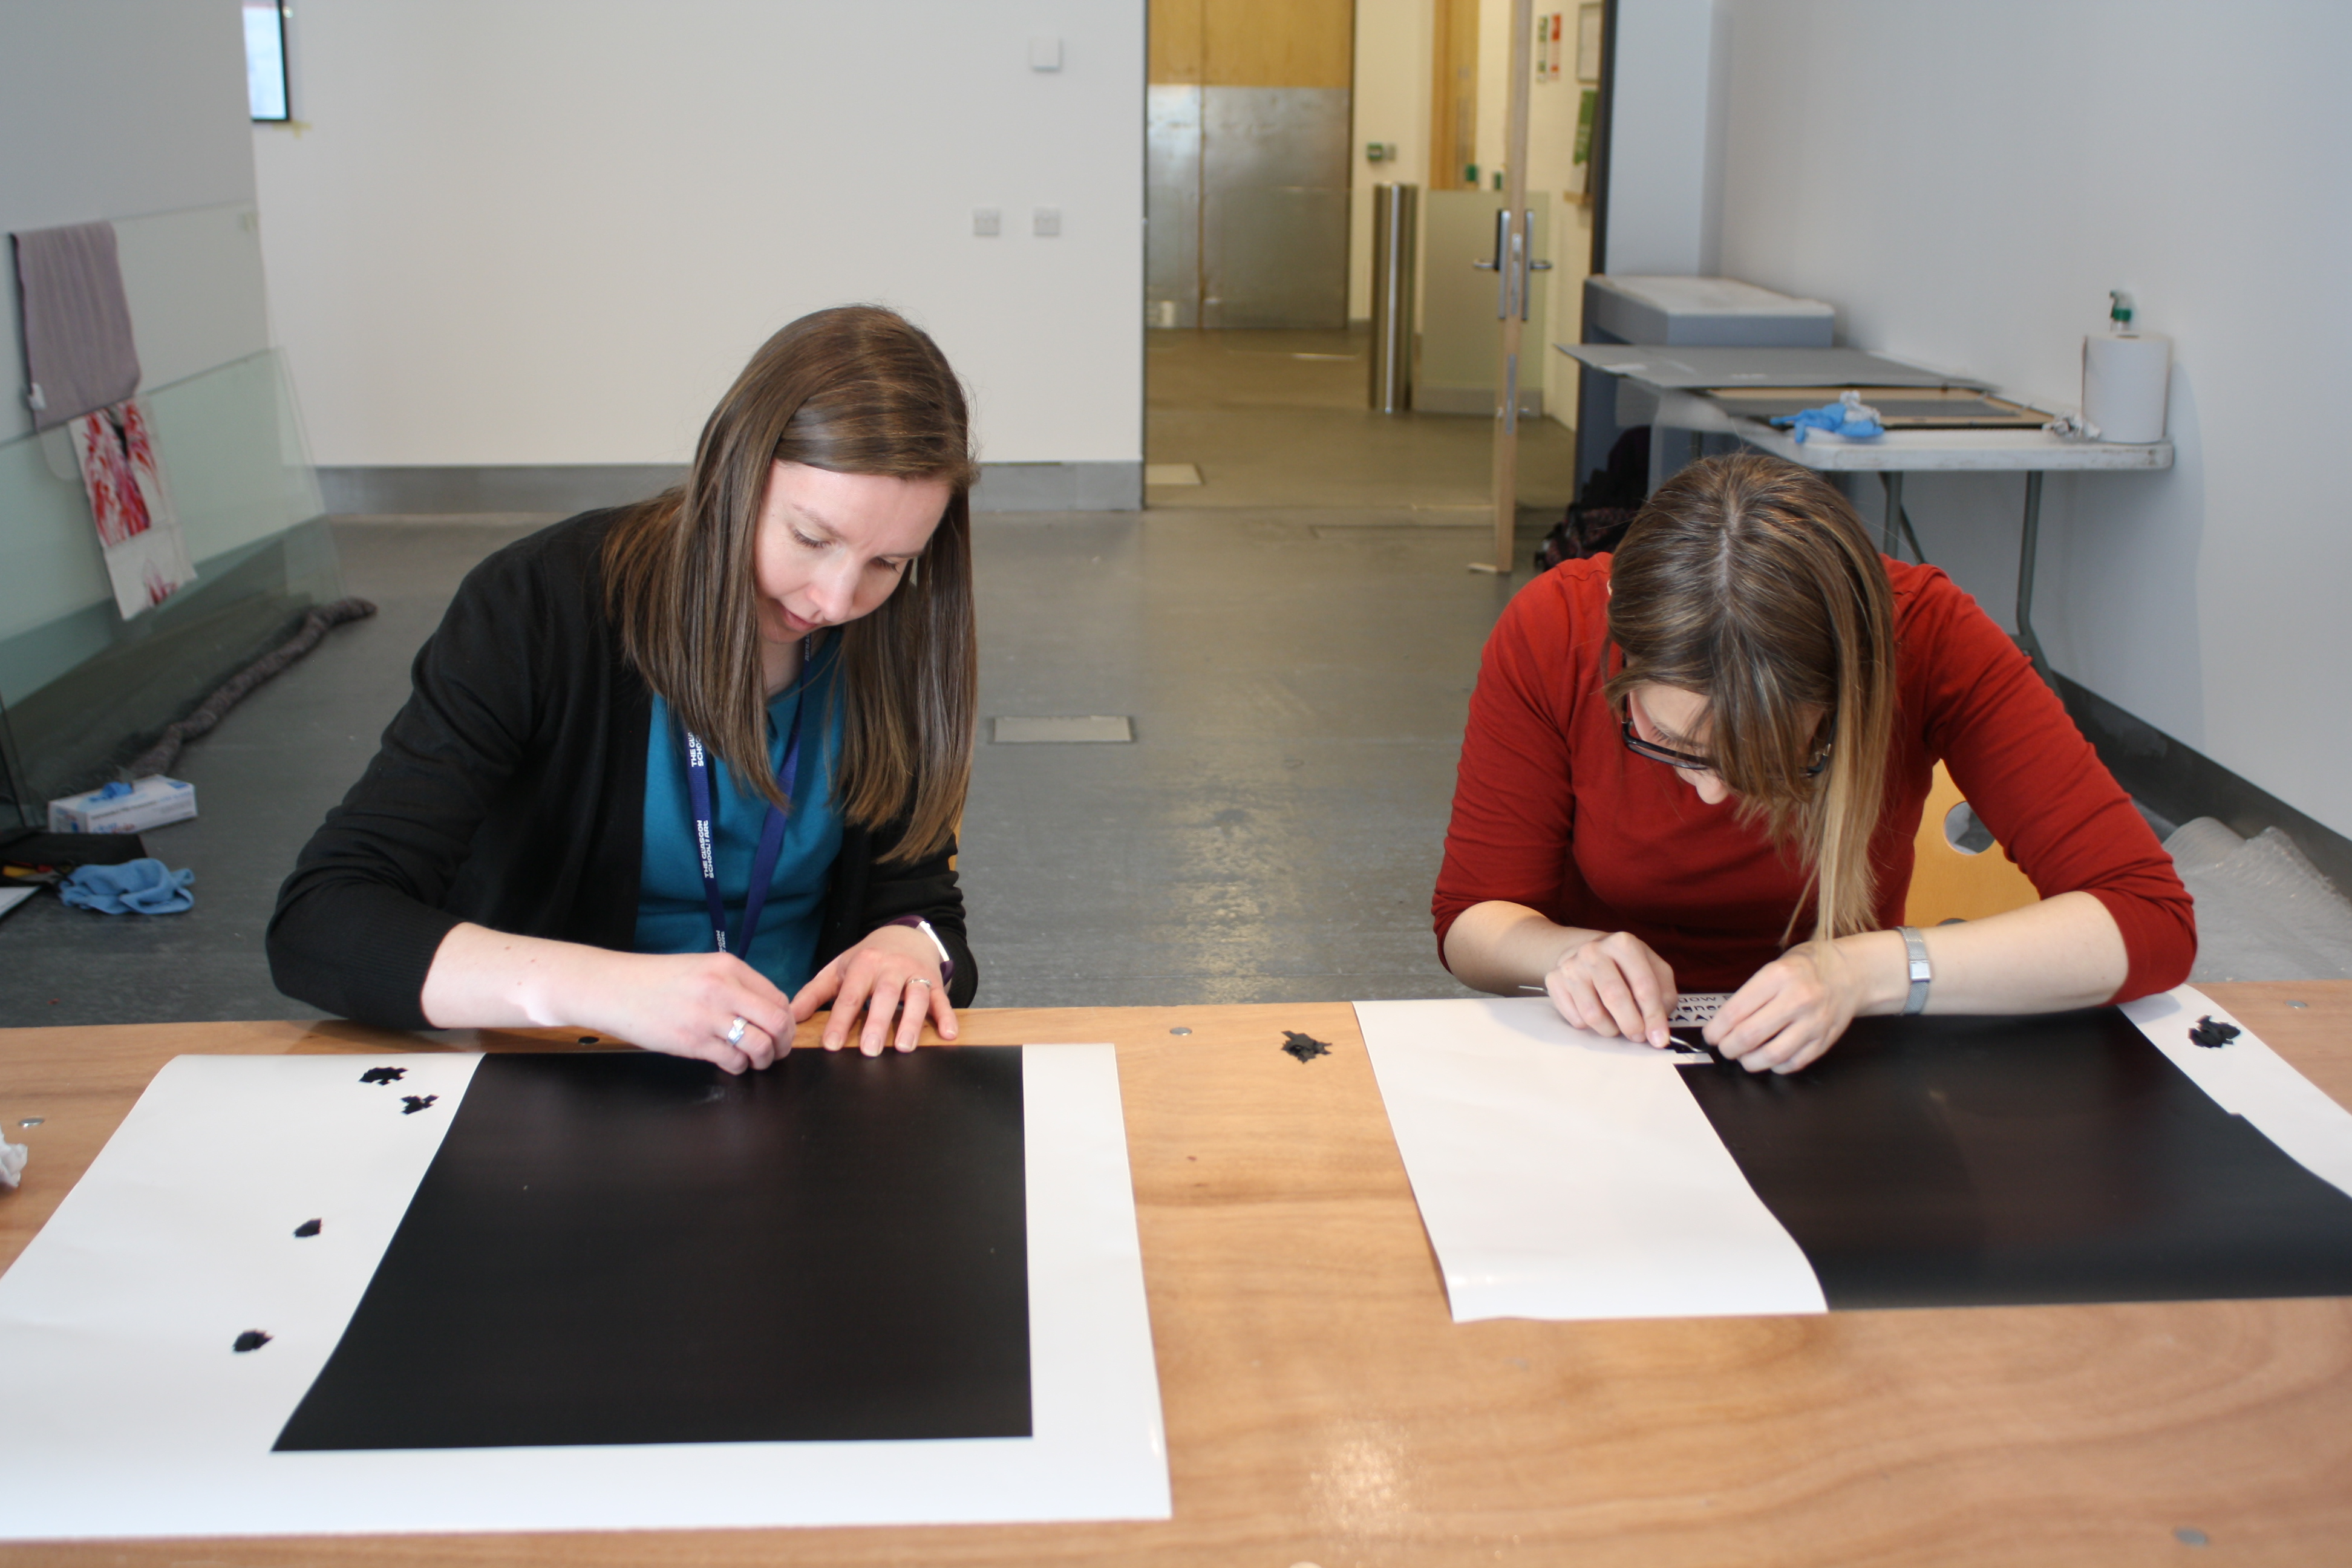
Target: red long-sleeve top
x=1551, y=810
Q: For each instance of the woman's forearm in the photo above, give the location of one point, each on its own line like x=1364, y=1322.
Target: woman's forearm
x=484, y=979
x=1498, y=946
x=706, y=1005
x=2062, y=953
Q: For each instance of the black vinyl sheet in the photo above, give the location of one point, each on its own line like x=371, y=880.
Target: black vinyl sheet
x=628, y=1248
x=1983, y=1162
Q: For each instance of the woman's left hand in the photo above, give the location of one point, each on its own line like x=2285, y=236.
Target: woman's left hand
x=1791, y=1011
x=893, y=973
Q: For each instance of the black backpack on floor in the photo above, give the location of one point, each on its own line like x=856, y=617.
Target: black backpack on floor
x=1606, y=507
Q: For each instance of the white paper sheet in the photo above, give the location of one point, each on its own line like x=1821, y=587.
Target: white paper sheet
x=130, y=1416
x=2246, y=1078
x=11, y=897
x=1562, y=1174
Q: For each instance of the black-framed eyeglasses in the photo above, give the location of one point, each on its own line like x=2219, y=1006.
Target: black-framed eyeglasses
x=1674, y=759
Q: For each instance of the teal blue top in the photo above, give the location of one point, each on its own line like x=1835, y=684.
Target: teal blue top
x=672, y=916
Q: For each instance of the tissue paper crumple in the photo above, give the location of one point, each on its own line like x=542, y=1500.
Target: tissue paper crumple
x=12, y=1164
x=1849, y=416
x=136, y=887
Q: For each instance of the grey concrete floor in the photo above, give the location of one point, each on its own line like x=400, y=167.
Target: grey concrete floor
x=264, y=779
x=1298, y=666
x=1281, y=419
x=1297, y=686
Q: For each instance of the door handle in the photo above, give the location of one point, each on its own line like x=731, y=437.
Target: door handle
x=1502, y=243
x=1512, y=263
x=1527, y=263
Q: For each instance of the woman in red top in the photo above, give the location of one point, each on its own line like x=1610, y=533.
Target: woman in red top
x=1700, y=766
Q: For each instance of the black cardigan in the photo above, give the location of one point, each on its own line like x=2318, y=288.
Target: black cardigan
x=510, y=791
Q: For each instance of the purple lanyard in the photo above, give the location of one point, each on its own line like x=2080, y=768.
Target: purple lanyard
x=772, y=831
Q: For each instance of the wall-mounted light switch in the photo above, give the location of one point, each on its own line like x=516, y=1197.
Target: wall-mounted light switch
x=1045, y=53
x=987, y=222
x=1048, y=224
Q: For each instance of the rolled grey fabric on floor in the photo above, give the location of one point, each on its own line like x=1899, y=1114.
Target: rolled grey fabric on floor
x=316, y=624
x=79, y=355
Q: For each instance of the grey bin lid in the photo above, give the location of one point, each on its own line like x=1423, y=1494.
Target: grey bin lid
x=1704, y=311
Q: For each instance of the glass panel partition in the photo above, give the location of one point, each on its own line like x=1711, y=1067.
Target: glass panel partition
x=82, y=689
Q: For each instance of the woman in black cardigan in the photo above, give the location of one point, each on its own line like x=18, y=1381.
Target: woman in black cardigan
x=686, y=773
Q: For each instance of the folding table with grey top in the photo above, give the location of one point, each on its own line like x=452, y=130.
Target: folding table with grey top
x=1703, y=390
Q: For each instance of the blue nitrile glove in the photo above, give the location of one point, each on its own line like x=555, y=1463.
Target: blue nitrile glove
x=136, y=887
x=114, y=790
x=1849, y=416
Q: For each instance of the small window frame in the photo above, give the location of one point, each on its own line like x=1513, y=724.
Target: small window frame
x=254, y=12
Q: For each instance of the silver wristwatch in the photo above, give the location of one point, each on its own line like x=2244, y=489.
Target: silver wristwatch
x=1916, y=946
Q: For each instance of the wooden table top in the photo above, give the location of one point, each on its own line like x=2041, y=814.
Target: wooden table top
x=1322, y=1408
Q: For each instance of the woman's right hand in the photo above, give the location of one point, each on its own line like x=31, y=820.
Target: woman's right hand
x=1613, y=983
x=684, y=1004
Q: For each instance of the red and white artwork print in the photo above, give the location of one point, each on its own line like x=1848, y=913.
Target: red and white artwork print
x=146, y=555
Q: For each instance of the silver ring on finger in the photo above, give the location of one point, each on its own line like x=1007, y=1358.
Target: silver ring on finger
x=919, y=980
x=735, y=1030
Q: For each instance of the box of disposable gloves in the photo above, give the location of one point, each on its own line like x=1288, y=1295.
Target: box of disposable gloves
x=120, y=808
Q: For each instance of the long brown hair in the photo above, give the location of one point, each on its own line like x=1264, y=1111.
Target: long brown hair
x=1751, y=583
x=858, y=390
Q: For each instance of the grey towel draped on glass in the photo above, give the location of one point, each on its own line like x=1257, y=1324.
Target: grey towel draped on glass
x=79, y=355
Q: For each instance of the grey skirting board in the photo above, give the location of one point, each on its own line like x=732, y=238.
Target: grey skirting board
x=564, y=489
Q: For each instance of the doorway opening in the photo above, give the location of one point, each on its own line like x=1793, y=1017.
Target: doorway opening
x=1270, y=122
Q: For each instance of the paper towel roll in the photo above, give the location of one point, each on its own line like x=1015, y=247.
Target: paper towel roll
x=2122, y=385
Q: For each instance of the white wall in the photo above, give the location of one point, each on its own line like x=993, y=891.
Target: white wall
x=1965, y=182
x=124, y=110
x=1394, y=41
x=193, y=279
x=1662, y=175
x=551, y=231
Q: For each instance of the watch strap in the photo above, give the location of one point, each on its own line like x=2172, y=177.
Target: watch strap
x=947, y=961
x=1915, y=946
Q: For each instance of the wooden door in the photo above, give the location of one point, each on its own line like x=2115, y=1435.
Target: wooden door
x=1454, y=95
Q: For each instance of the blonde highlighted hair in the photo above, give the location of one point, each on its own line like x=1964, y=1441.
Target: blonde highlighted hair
x=1751, y=583
x=858, y=390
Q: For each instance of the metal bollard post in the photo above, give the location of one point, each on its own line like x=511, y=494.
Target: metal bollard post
x=1396, y=211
